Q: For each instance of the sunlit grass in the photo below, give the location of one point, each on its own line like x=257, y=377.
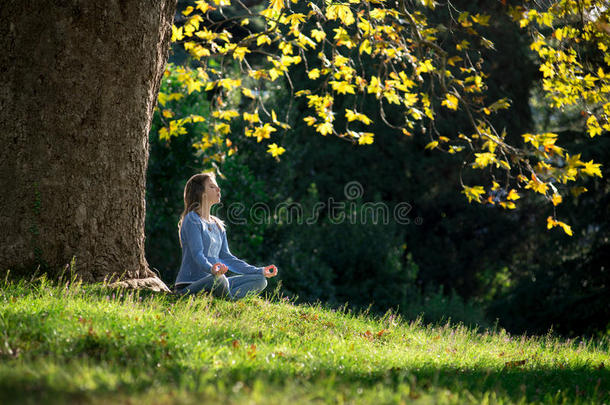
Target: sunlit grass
x=84, y=343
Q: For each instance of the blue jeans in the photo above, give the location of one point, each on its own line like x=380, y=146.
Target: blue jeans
x=234, y=287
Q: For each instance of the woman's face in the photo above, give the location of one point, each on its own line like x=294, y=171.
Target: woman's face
x=212, y=191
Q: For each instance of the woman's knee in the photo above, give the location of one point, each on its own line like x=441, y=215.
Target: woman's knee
x=259, y=281
x=248, y=284
x=263, y=282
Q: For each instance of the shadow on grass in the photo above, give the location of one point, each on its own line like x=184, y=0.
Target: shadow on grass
x=510, y=384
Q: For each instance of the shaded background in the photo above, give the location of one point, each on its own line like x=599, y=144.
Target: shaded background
x=475, y=264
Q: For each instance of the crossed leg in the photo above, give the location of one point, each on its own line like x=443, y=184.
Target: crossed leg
x=235, y=287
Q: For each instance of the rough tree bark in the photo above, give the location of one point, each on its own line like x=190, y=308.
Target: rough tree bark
x=78, y=85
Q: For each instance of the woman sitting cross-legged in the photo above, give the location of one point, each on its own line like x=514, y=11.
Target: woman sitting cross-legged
x=205, y=251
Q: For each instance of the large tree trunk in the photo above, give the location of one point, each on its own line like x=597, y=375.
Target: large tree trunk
x=78, y=85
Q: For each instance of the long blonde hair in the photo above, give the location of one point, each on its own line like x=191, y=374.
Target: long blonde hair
x=193, y=193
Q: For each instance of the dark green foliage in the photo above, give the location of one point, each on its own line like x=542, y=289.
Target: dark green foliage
x=563, y=282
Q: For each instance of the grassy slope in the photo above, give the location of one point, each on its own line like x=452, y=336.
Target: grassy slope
x=91, y=344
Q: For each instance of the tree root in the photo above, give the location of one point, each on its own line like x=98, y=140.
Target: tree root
x=150, y=283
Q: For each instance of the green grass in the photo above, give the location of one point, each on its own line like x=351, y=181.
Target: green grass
x=86, y=343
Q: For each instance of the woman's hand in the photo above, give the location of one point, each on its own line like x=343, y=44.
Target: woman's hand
x=270, y=271
x=219, y=269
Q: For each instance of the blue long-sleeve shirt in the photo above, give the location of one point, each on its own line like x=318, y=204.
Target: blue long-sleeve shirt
x=202, y=246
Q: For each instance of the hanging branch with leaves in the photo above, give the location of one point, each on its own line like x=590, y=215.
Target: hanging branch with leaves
x=390, y=52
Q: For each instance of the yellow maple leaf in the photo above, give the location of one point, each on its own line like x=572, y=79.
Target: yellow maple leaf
x=566, y=228
x=274, y=73
x=203, y=6
x=240, y=52
x=188, y=30
x=352, y=115
x=164, y=134
x=378, y=13
x=325, y=128
x=537, y=185
x=481, y=19
x=177, y=34
x=263, y=39
x=392, y=97
x=513, y=195
x=483, y=159
x=547, y=69
x=546, y=19
x=286, y=48
x=559, y=33
x=193, y=85
x=453, y=60
x=342, y=87
x=318, y=35
x=314, y=73
x=263, y=132
x=431, y=145
x=223, y=128
x=593, y=127
x=410, y=99
x=375, y=86
x=551, y=222
x=366, y=47
x=473, y=193
x=251, y=117
x=276, y=5
x=310, y=120
x=536, y=45
x=450, y=102
x=508, y=205
x=341, y=12
x=462, y=45
x=225, y=115
x=591, y=169
x=342, y=38
x=229, y=83
x=365, y=138
x=296, y=19
x=531, y=138
x=275, y=150
x=424, y=67
x=247, y=92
